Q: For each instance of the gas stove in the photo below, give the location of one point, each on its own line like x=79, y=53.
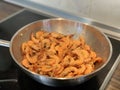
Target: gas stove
x=15, y=79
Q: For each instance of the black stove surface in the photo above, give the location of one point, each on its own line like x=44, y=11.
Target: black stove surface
x=15, y=79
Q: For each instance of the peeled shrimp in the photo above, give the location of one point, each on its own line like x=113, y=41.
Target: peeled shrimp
x=89, y=68
x=68, y=70
x=32, y=59
x=25, y=63
x=57, y=55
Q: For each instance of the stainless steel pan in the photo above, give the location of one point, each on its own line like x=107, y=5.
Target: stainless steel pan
x=96, y=39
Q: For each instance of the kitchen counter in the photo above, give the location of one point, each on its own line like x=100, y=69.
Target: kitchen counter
x=7, y=10
x=114, y=83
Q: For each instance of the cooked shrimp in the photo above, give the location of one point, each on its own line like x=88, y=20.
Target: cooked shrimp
x=26, y=49
x=25, y=63
x=46, y=68
x=82, y=40
x=92, y=54
x=24, y=46
x=57, y=55
x=34, y=39
x=81, y=69
x=39, y=34
x=89, y=68
x=68, y=70
x=98, y=60
x=76, y=44
x=32, y=59
x=33, y=45
x=68, y=60
x=52, y=50
x=84, y=53
x=78, y=62
x=57, y=69
x=45, y=43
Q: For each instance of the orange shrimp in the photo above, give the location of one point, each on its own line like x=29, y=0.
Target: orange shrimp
x=81, y=69
x=68, y=60
x=89, y=69
x=25, y=63
x=78, y=62
x=84, y=54
x=68, y=70
x=57, y=70
x=46, y=68
x=39, y=34
x=57, y=55
x=32, y=59
x=45, y=43
x=34, y=39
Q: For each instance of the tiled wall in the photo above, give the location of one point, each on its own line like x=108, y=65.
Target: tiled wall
x=105, y=11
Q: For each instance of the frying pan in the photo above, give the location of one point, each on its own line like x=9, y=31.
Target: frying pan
x=97, y=40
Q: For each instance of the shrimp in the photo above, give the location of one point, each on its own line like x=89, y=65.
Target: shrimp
x=84, y=54
x=82, y=41
x=32, y=59
x=76, y=51
x=34, y=39
x=58, y=68
x=50, y=61
x=25, y=63
x=42, y=56
x=46, y=68
x=65, y=42
x=45, y=43
x=39, y=34
x=68, y=60
x=81, y=53
x=33, y=46
x=98, y=60
x=57, y=55
x=60, y=51
x=86, y=47
x=89, y=69
x=81, y=69
x=78, y=62
x=76, y=44
x=92, y=54
x=52, y=48
x=26, y=49
x=24, y=46
x=88, y=60
x=56, y=35
x=56, y=58
x=68, y=70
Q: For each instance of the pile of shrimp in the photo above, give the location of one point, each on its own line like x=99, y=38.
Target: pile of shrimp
x=56, y=55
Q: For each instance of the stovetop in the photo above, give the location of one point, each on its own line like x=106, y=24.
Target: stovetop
x=16, y=79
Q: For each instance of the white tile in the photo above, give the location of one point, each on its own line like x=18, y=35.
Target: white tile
x=106, y=11
x=51, y=3
x=78, y=7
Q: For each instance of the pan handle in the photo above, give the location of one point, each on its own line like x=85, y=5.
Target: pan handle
x=4, y=43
